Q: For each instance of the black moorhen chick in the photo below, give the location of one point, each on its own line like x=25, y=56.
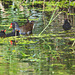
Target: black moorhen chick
x=66, y=25
x=2, y=33
x=25, y=29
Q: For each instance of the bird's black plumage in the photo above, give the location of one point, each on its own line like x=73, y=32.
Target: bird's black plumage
x=66, y=25
x=15, y=33
x=2, y=33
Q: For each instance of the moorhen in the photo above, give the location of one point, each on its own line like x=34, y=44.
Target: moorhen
x=13, y=33
x=66, y=25
x=2, y=33
x=25, y=29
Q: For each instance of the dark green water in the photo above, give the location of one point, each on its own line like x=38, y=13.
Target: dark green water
x=50, y=53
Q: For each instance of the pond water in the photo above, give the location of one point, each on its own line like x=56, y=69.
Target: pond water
x=48, y=51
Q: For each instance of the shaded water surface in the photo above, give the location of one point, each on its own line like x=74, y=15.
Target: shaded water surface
x=50, y=53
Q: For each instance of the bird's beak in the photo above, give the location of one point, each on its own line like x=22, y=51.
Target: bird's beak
x=11, y=42
x=4, y=30
x=1, y=30
x=10, y=26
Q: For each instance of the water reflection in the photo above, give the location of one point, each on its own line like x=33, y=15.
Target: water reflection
x=50, y=53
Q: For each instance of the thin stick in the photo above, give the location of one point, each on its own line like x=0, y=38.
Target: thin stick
x=50, y=21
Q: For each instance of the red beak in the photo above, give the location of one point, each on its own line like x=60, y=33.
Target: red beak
x=10, y=26
x=4, y=30
x=11, y=42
